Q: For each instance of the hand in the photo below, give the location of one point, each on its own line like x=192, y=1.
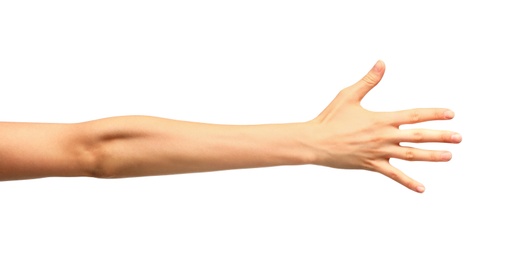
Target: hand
x=351, y=137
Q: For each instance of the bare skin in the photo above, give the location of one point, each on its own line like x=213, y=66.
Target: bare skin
x=344, y=135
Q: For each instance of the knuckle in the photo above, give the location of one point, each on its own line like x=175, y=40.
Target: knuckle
x=377, y=139
x=418, y=136
x=346, y=93
x=369, y=79
x=446, y=137
x=409, y=184
x=343, y=92
x=415, y=116
x=439, y=114
x=434, y=156
x=372, y=165
x=409, y=155
x=393, y=175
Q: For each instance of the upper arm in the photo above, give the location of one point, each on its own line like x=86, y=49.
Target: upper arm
x=34, y=150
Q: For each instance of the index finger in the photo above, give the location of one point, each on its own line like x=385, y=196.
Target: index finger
x=418, y=115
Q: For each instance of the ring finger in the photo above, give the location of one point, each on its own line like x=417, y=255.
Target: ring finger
x=415, y=154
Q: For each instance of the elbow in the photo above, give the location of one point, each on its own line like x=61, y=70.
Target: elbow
x=106, y=147
x=100, y=165
x=92, y=162
x=95, y=159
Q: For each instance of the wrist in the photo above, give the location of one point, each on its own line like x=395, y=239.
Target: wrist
x=307, y=136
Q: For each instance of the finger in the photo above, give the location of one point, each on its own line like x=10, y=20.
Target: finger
x=419, y=115
x=370, y=80
x=427, y=135
x=415, y=154
x=398, y=176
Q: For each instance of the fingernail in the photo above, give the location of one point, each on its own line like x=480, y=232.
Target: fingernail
x=446, y=156
x=378, y=66
x=456, y=138
x=449, y=114
x=420, y=188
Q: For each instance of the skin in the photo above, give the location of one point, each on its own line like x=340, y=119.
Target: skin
x=344, y=135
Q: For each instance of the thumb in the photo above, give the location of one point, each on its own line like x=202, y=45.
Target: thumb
x=370, y=80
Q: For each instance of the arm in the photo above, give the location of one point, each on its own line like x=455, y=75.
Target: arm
x=132, y=146
x=344, y=135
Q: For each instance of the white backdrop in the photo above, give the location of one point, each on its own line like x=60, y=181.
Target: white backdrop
x=244, y=62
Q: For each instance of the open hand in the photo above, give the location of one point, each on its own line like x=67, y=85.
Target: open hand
x=351, y=137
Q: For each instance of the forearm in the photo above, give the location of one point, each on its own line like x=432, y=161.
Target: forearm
x=143, y=146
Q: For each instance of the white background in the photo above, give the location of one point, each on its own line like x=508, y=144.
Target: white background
x=243, y=62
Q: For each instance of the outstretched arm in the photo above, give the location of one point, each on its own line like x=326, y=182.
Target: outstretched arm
x=344, y=135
